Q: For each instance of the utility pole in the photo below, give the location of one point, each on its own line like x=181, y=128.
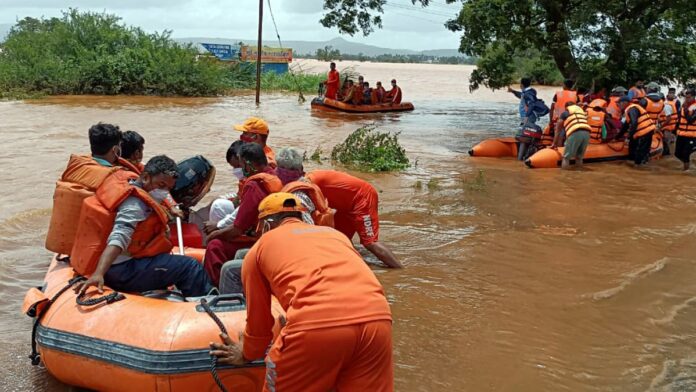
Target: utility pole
x=259, y=48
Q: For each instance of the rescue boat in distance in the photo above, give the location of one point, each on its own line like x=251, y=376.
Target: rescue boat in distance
x=332, y=105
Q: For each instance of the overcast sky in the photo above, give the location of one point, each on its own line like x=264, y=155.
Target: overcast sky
x=405, y=26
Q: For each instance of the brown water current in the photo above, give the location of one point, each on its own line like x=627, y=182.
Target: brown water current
x=515, y=279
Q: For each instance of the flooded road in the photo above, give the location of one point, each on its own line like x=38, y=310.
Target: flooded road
x=515, y=279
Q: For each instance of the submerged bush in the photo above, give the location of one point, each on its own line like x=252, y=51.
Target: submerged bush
x=370, y=150
x=94, y=53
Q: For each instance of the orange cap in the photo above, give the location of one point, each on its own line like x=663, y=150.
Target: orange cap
x=253, y=125
x=280, y=202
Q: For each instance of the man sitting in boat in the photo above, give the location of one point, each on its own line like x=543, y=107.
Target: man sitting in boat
x=223, y=210
x=80, y=179
x=132, y=148
x=291, y=173
x=255, y=130
x=261, y=180
x=367, y=94
x=356, y=204
x=136, y=255
x=354, y=96
x=393, y=96
x=379, y=93
x=338, y=334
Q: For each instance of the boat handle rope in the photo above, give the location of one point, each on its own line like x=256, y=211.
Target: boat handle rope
x=108, y=299
x=213, y=367
x=35, y=356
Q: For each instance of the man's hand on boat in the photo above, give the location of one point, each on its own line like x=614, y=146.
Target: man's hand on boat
x=229, y=353
x=94, y=280
x=209, y=227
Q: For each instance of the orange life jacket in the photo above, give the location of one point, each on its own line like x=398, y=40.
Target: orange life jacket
x=128, y=165
x=576, y=121
x=270, y=157
x=637, y=94
x=684, y=128
x=563, y=97
x=645, y=123
x=547, y=135
x=150, y=238
x=670, y=124
x=613, y=108
x=269, y=182
x=80, y=180
x=323, y=215
x=599, y=102
x=656, y=110
x=595, y=118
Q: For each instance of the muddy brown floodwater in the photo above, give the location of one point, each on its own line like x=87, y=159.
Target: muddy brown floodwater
x=515, y=279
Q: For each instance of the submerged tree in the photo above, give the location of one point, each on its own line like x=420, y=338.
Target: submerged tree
x=602, y=42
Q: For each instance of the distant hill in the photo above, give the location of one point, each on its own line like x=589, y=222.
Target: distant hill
x=346, y=47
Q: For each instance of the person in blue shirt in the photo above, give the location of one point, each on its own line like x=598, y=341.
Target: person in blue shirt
x=528, y=97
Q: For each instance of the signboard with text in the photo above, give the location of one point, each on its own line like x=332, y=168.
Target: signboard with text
x=222, y=51
x=268, y=55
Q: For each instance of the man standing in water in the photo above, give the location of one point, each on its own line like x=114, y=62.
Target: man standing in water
x=575, y=131
x=355, y=202
x=640, y=129
x=338, y=334
x=686, y=129
x=332, y=82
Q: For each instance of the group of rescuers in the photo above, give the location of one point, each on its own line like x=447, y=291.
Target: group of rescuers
x=580, y=118
x=359, y=93
x=338, y=328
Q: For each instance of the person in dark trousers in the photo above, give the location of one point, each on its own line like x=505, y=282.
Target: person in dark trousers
x=640, y=128
x=137, y=256
x=528, y=98
x=686, y=129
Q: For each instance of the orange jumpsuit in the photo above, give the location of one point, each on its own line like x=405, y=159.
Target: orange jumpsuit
x=332, y=82
x=338, y=331
x=355, y=202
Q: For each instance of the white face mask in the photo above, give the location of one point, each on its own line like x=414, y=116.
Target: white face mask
x=159, y=194
x=238, y=172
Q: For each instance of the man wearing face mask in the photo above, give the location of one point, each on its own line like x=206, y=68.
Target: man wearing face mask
x=135, y=256
x=223, y=210
x=261, y=181
x=80, y=179
x=338, y=334
x=255, y=130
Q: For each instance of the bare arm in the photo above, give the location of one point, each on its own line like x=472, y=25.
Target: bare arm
x=384, y=254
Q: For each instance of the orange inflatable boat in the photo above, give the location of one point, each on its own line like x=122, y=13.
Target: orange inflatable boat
x=332, y=105
x=615, y=151
x=495, y=148
x=156, y=341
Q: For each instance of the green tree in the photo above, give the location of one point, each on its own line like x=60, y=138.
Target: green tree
x=605, y=42
x=328, y=53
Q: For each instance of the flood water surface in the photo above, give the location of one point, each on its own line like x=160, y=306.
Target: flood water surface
x=515, y=279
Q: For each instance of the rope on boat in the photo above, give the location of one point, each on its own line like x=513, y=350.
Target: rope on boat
x=35, y=356
x=213, y=367
x=109, y=298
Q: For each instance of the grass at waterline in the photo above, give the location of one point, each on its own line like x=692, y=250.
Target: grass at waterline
x=95, y=53
x=368, y=149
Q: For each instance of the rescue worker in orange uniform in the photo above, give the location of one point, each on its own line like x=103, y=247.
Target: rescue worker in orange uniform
x=255, y=130
x=379, y=93
x=686, y=129
x=81, y=178
x=636, y=92
x=132, y=148
x=393, y=96
x=558, y=105
x=261, y=181
x=338, y=335
x=356, y=203
x=135, y=256
x=332, y=82
x=348, y=92
x=640, y=128
x=573, y=133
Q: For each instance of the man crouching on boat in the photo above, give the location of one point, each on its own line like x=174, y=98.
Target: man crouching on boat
x=338, y=334
x=136, y=254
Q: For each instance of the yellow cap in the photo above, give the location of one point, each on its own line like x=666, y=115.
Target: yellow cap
x=280, y=202
x=253, y=125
